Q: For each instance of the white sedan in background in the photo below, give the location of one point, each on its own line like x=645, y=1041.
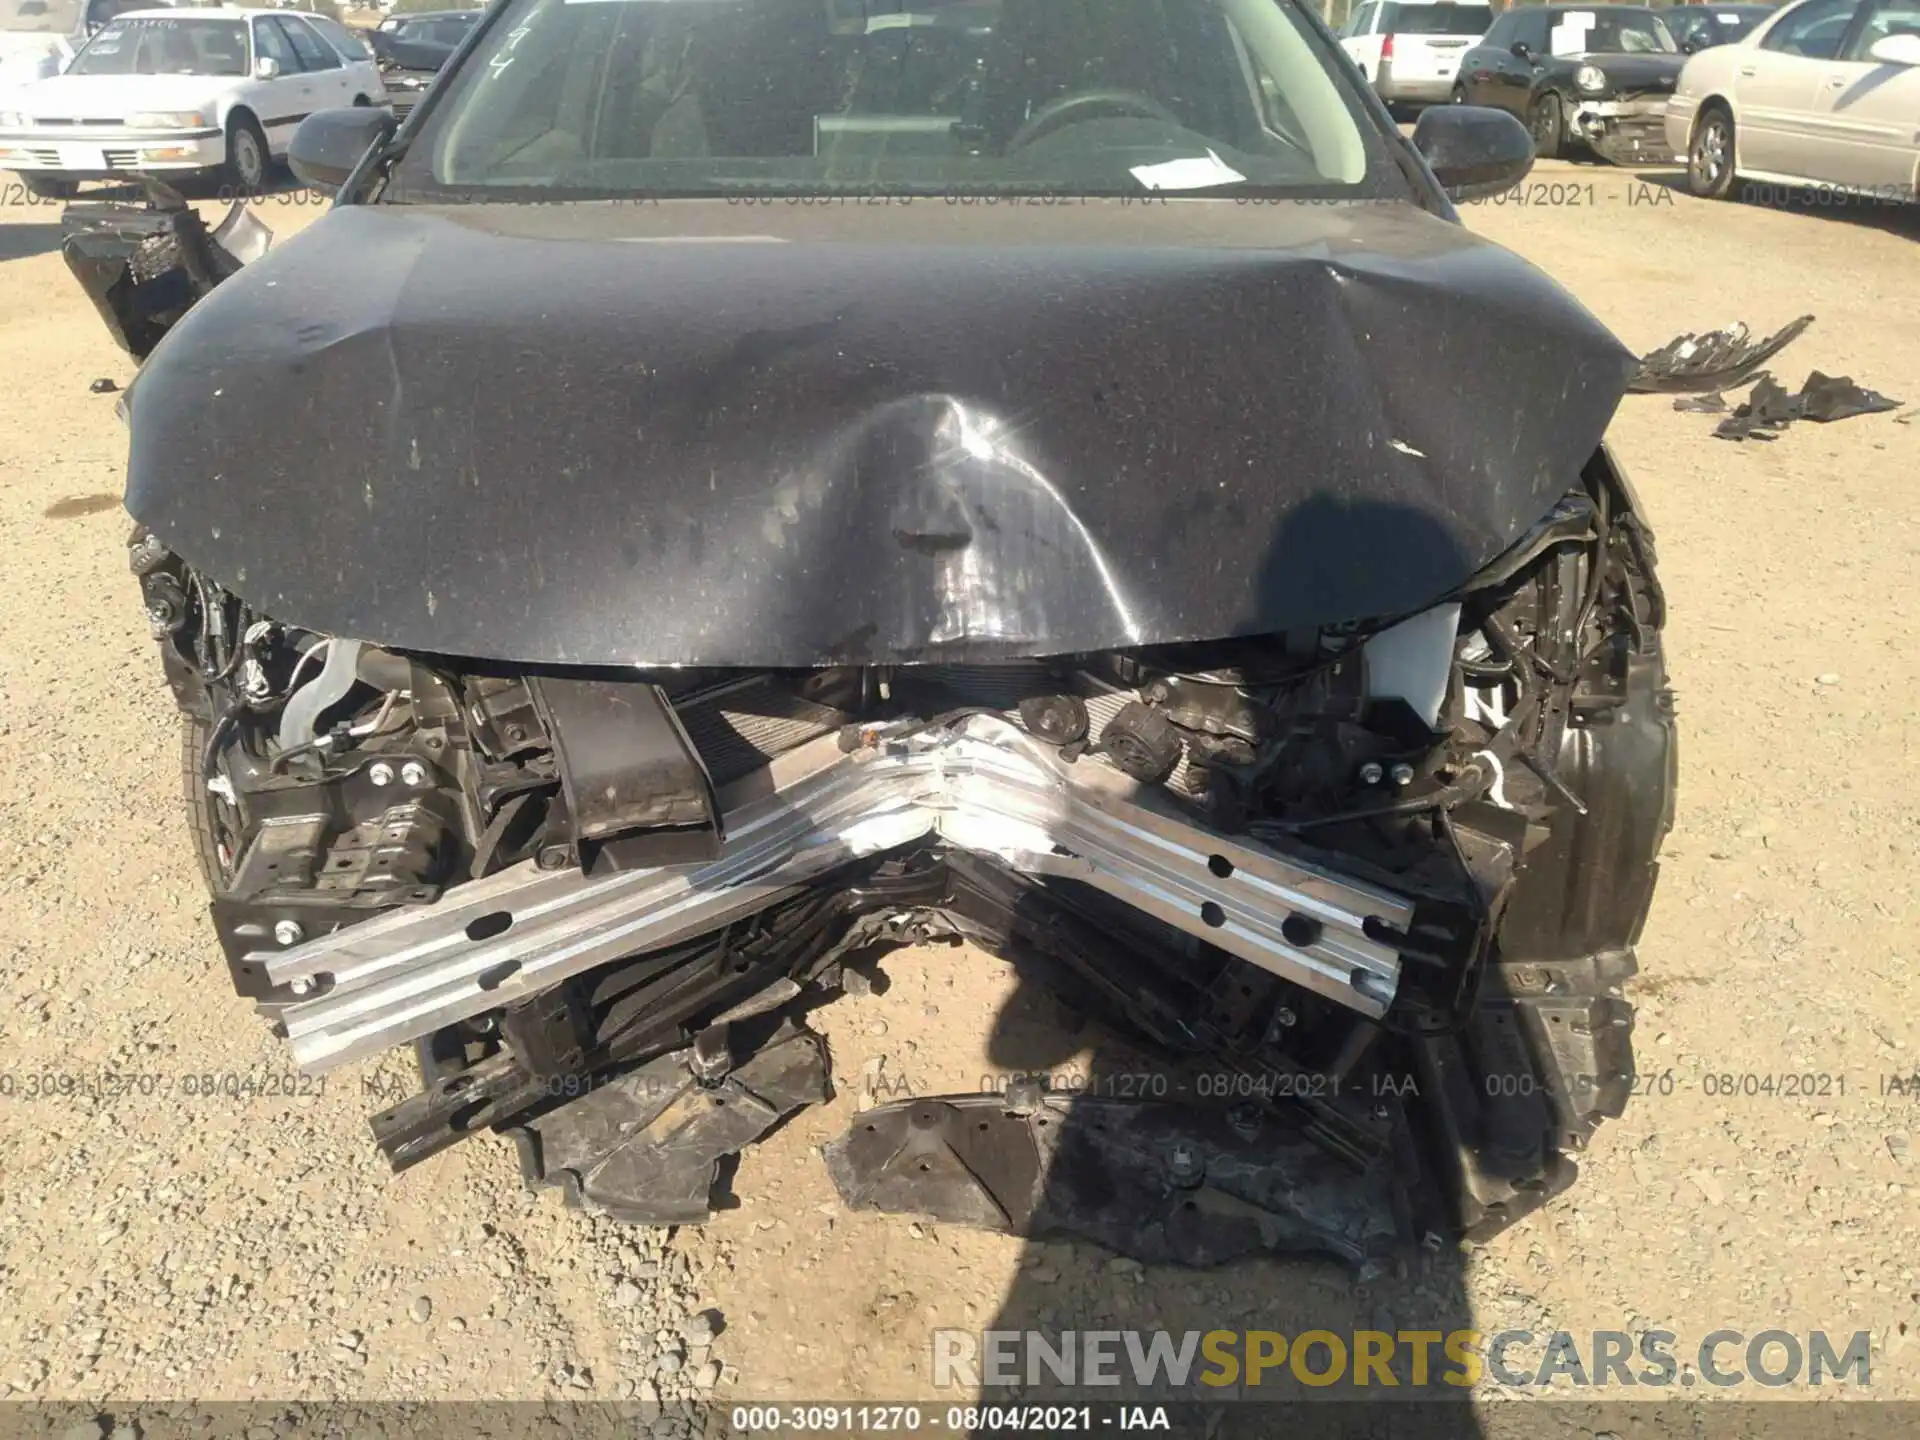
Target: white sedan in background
x=187, y=90
x=1824, y=93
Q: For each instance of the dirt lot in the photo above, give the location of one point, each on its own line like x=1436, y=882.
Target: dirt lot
x=255, y=1246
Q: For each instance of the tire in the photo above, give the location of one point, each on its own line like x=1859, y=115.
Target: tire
x=1546, y=122
x=200, y=819
x=1710, y=172
x=47, y=187
x=248, y=158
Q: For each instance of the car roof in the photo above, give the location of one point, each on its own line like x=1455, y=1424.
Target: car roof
x=211, y=12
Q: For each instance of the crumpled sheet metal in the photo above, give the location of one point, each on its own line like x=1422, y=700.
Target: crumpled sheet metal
x=817, y=435
x=1715, y=360
x=1769, y=409
x=1164, y=1183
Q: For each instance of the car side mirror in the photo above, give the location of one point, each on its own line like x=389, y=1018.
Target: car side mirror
x=1687, y=47
x=1473, y=150
x=329, y=144
x=1519, y=50
x=1896, y=50
x=266, y=68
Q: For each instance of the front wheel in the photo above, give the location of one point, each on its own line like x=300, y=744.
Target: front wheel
x=1545, y=122
x=1710, y=172
x=247, y=156
x=209, y=821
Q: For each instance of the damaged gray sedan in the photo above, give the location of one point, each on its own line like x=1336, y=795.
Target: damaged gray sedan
x=731, y=489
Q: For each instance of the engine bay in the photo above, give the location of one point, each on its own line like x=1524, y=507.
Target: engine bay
x=1390, y=871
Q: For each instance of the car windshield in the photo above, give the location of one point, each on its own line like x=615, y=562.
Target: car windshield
x=762, y=97
x=39, y=17
x=1610, y=30
x=162, y=45
x=1436, y=19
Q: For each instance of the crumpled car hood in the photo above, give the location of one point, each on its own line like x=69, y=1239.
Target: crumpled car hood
x=712, y=434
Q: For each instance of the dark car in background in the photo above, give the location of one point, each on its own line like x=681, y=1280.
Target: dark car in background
x=1701, y=27
x=602, y=638
x=412, y=49
x=1592, y=75
x=423, y=34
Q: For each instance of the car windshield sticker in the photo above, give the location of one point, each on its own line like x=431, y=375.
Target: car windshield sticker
x=1570, y=32
x=1193, y=174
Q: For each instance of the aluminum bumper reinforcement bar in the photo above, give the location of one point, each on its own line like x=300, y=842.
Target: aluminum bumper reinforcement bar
x=983, y=786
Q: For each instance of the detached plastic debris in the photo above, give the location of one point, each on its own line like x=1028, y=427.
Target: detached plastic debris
x=1829, y=397
x=1717, y=360
x=1769, y=409
x=1712, y=403
x=104, y=386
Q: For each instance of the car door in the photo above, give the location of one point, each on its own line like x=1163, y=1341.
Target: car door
x=281, y=101
x=1511, y=77
x=329, y=83
x=1361, y=42
x=1776, y=82
x=1476, y=66
x=1866, y=121
x=361, y=67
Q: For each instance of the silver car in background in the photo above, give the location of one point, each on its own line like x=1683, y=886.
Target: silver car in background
x=1824, y=94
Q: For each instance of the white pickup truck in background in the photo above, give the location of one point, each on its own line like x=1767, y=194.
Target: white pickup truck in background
x=1410, y=52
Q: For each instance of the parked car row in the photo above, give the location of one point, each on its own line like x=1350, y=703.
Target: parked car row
x=112, y=87
x=1599, y=75
x=1411, y=53
x=412, y=49
x=164, y=91
x=1827, y=92
x=1819, y=92
x=39, y=37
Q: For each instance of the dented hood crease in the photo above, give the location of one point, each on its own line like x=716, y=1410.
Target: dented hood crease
x=714, y=435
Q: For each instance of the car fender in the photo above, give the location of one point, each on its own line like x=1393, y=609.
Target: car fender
x=247, y=97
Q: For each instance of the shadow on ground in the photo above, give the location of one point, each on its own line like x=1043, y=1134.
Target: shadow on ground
x=1901, y=219
x=1291, y=1308
x=21, y=242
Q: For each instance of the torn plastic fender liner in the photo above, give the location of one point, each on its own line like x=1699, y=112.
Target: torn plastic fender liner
x=541, y=434
x=643, y=1147
x=145, y=266
x=1714, y=360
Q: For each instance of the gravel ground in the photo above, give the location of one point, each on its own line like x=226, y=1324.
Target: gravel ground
x=250, y=1242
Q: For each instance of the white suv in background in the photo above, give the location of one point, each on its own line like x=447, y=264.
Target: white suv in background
x=1410, y=52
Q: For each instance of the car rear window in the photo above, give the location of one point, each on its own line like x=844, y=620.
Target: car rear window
x=1436, y=19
